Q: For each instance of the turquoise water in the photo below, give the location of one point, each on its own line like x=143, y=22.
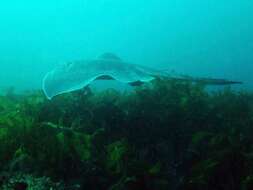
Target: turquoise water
x=205, y=38
x=167, y=135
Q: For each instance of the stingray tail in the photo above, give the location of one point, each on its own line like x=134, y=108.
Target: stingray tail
x=207, y=81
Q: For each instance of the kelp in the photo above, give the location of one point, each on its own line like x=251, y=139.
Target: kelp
x=163, y=135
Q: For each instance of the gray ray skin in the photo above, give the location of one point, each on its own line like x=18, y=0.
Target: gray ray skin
x=76, y=75
x=73, y=76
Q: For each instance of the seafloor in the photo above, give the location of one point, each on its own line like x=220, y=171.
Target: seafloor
x=165, y=136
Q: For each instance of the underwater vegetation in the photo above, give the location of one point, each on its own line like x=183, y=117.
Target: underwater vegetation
x=164, y=135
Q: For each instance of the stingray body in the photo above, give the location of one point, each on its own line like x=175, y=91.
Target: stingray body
x=73, y=76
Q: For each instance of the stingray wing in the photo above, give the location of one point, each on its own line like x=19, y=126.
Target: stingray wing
x=76, y=75
x=67, y=78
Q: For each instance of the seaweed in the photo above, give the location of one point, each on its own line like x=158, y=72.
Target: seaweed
x=164, y=135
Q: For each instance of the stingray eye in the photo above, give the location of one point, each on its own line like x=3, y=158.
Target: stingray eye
x=68, y=65
x=109, y=56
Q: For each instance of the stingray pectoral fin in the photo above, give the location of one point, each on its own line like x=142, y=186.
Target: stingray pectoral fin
x=54, y=85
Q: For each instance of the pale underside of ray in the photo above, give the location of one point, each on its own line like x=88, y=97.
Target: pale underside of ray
x=76, y=75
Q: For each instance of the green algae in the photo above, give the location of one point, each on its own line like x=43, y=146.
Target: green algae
x=165, y=135
x=116, y=153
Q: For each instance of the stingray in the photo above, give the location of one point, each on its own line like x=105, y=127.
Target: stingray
x=76, y=75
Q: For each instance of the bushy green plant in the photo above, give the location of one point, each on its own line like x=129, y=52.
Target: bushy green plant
x=164, y=135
